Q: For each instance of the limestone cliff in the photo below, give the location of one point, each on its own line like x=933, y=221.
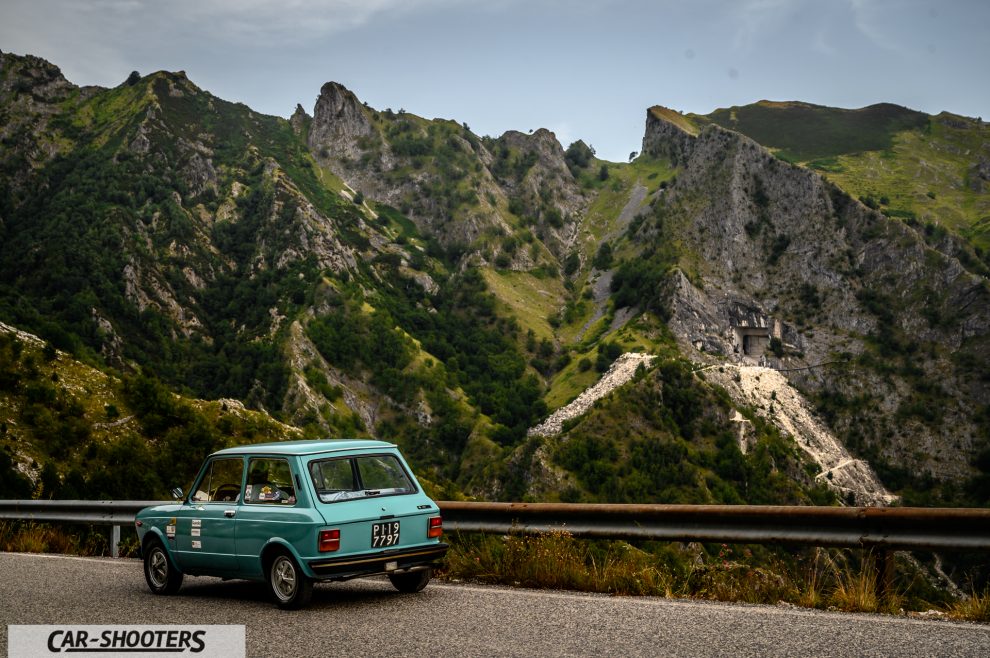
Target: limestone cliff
x=780, y=267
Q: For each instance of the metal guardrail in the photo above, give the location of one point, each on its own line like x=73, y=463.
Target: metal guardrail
x=887, y=528
x=115, y=513
x=97, y=512
x=883, y=528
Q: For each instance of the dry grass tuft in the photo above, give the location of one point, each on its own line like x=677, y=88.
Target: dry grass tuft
x=976, y=607
x=36, y=538
x=30, y=537
x=855, y=591
x=556, y=560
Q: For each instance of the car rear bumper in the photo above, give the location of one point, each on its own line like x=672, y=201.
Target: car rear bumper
x=367, y=564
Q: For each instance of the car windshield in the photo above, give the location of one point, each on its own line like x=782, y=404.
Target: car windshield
x=349, y=478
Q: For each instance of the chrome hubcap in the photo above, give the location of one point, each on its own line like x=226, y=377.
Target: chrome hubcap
x=158, y=568
x=284, y=578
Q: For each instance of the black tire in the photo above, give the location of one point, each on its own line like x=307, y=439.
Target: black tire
x=160, y=571
x=289, y=586
x=412, y=582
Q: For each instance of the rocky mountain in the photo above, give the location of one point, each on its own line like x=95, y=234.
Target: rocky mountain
x=444, y=178
x=926, y=170
x=777, y=253
x=358, y=271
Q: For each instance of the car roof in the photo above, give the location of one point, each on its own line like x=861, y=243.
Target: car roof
x=305, y=447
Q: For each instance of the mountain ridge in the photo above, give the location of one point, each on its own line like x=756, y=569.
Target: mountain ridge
x=367, y=272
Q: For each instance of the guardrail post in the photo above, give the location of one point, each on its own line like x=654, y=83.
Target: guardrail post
x=883, y=563
x=115, y=541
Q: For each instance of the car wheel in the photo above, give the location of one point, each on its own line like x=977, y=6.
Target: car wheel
x=290, y=587
x=159, y=571
x=411, y=582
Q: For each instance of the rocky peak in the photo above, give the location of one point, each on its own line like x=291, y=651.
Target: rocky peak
x=955, y=121
x=339, y=121
x=538, y=176
x=668, y=134
x=299, y=120
x=542, y=143
x=31, y=93
x=174, y=83
x=29, y=74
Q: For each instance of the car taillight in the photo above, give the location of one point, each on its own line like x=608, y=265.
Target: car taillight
x=435, y=528
x=329, y=540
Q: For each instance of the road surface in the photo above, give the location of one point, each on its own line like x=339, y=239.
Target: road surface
x=369, y=618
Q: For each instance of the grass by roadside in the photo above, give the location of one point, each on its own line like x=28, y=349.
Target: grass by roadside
x=31, y=537
x=555, y=561
x=974, y=608
x=826, y=579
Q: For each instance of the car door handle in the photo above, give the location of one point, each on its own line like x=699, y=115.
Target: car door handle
x=229, y=513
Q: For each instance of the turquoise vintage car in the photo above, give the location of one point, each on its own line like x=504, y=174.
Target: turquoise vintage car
x=294, y=512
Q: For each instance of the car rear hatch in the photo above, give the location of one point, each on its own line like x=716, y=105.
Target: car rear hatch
x=378, y=536
x=377, y=519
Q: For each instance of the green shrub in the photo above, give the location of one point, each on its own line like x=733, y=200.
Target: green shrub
x=603, y=258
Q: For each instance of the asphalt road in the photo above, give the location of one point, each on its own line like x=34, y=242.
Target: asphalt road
x=369, y=618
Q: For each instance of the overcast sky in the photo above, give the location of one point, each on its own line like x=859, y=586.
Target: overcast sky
x=586, y=70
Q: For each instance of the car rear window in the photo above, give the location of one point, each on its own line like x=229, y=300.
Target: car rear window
x=349, y=478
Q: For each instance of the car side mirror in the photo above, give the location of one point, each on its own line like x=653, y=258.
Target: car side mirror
x=177, y=493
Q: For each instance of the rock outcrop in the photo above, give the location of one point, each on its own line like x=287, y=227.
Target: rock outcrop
x=445, y=179
x=30, y=92
x=546, y=189
x=300, y=121
x=773, y=251
x=622, y=370
x=339, y=123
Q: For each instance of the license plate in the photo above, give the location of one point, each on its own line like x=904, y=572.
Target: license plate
x=385, y=534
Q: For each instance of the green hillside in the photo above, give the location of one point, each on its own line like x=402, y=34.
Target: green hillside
x=683, y=450
x=803, y=132
x=930, y=176
x=927, y=170
x=81, y=432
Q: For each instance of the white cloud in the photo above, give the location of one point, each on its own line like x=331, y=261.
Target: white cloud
x=869, y=17
x=111, y=23
x=755, y=18
x=95, y=40
x=273, y=21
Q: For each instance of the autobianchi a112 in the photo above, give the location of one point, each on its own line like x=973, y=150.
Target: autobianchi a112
x=294, y=512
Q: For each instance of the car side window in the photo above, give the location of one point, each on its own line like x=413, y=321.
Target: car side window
x=334, y=479
x=269, y=482
x=333, y=475
x=221, y=482
x=383, y=473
